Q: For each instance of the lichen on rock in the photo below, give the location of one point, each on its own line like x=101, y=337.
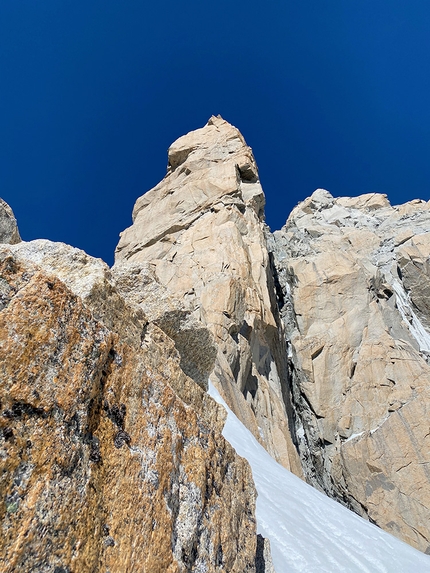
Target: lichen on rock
x=103, y=465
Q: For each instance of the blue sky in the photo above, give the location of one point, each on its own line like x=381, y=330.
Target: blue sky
x=328, y=93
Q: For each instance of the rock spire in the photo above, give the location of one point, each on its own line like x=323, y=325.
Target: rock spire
x=200, y=237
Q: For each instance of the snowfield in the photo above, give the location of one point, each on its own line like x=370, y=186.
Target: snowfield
x=309, y=532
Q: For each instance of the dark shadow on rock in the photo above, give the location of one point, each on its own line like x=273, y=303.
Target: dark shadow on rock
x=263, y=557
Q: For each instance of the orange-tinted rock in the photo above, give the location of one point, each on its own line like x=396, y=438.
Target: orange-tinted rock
x=103, y=466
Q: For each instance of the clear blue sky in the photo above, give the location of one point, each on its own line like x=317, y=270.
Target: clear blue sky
x=328, y=93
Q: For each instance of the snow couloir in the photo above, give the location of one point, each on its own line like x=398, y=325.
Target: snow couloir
x=309, y=532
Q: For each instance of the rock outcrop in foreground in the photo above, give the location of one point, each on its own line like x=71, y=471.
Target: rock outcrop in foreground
x=317, y=337
x=111, y=458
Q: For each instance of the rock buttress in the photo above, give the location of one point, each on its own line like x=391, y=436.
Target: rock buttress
x=355, y=279
x=198, y=242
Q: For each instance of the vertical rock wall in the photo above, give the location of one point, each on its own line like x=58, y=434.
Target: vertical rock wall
x=354, y=284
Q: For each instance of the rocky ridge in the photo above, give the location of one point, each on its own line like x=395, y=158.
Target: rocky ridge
x=111, y=457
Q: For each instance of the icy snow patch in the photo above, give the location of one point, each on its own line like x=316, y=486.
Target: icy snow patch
x=308, y=532
x=415, y=326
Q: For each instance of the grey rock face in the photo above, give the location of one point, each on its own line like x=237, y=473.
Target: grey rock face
x=263, y=561
x=353, y=281
x=8, y=226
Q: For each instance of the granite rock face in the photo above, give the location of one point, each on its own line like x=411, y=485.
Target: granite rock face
x=194, y=342
x=354, y=285
x=198, y=242
x=8, y=226
x=111, y=457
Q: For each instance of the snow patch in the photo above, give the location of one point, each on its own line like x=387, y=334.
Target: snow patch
x=353, y=436
x=308, y=532
x=415, y=325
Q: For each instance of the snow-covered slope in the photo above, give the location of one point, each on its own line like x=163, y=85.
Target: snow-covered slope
x=309, y=532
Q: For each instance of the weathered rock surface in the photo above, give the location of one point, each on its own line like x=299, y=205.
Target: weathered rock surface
x=194, y=342
x=354, y=276
x=8, y=226
x=198, y=242
x=103, y=466
x=91, y=280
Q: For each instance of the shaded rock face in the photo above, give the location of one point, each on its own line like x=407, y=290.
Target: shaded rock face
x=8, y=227
x=198, y=244
x=194, y=342
x=111, y=457
x=353, y=277
x=263, y=562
